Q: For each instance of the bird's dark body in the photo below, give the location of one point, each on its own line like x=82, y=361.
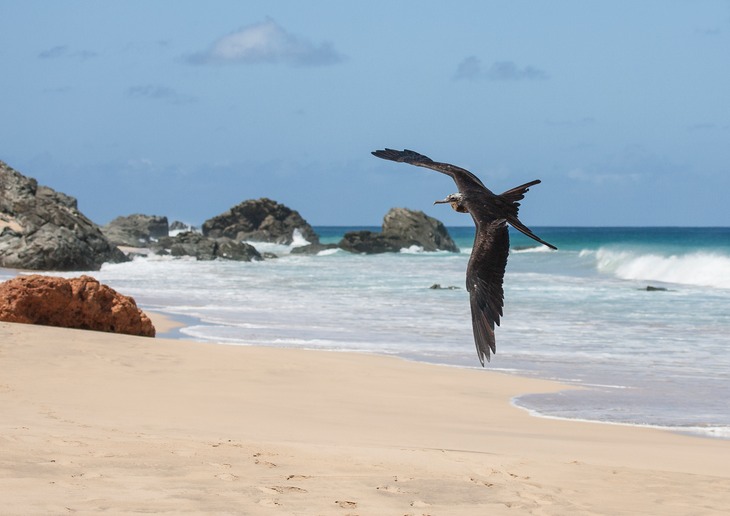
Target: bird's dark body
x=491, y=214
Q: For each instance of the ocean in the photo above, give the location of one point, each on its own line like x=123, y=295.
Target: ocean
x=639, y=318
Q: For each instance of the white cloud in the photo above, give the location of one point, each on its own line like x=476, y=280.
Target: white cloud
x=471, y=68
x=266, y=42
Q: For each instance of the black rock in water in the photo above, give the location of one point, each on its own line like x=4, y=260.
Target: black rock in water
x=650, y=288
x=312, y=248
x=426, y=231
x=136, y=230
x=260, y=220
x=402, y=228
x=205, y=248
x=176, y=225
x=370, y=242
x=437, y=286
x=41, y=229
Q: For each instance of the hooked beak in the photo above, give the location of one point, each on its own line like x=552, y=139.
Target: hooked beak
x=443, y=201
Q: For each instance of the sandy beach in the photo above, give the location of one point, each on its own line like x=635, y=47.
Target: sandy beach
x=103, y=423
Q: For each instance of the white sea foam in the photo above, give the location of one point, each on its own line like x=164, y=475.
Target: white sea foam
x=175, y=232
x=699, y=268
x=719, y=432
x=536, y=249
x=414, y=249
x=298, y=239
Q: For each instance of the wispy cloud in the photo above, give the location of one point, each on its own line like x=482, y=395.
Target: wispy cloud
x=627, y=166
x=706, y=127
x=158, y=92
x=709, y=31
x=472, y=69
x=60, y=51
x=266, y=42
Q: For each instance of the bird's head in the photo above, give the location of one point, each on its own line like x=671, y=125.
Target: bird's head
x=456, y=201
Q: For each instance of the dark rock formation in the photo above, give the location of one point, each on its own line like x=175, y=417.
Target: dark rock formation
x=136, y=230
x=43, y=229
x=437, y=286
x=260, y=220
x=81, y=303
x=370, y=242
x=428, y=232
x=312, y=248
x=650, y=288
x=176, y=225
x=201, y=247
x=402, y=228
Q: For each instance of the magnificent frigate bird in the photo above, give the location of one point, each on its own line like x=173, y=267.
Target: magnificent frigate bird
x=491, y=214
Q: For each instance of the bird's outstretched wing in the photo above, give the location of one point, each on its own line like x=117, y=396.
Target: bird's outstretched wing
x=484, y=278
x=464, y=179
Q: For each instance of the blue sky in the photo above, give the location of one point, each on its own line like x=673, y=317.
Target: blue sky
x=185, y=108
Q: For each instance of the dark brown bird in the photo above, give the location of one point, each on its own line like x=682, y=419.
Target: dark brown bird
x=491, y=214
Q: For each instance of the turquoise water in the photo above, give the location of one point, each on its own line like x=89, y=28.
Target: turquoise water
x=582, y=314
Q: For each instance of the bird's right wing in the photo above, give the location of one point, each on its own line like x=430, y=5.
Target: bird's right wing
x=484, y=278
x=464, y=179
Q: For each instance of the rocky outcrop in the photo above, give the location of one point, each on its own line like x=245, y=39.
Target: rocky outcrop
x=202, y=247
x=81, y=303
x=402, y=228
x=136, y=230
x=371, y=242
x=178, y=226
x=261, y=220
x=411, y=225
x=312, y=248
x=42, y=229
x=437, y=286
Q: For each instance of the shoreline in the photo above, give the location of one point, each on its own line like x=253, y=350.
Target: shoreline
x=96, y=421
x=170, y=325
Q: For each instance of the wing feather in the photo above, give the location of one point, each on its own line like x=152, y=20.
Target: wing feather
x=484, y=280
x=464, y=179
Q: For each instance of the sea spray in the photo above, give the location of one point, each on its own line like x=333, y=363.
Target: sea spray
x=709, y=269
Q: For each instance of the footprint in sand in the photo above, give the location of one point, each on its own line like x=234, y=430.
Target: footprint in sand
x=228, y=477
x=298, y=477
x=261, y=462
x=346, y=504
x=390, y=489
x=480, y=482
x=282, y=489
x=267, y=502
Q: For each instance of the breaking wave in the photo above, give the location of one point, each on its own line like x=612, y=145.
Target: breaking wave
x=700, y=268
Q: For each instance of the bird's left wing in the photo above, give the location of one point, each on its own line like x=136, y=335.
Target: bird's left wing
x=463, y=178
x=484, y=278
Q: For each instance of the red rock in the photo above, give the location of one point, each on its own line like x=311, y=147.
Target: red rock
x=81, y=303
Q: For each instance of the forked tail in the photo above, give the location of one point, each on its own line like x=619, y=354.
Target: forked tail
x=511, y=202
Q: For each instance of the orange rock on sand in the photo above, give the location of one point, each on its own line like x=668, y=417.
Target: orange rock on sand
x=81, y=303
